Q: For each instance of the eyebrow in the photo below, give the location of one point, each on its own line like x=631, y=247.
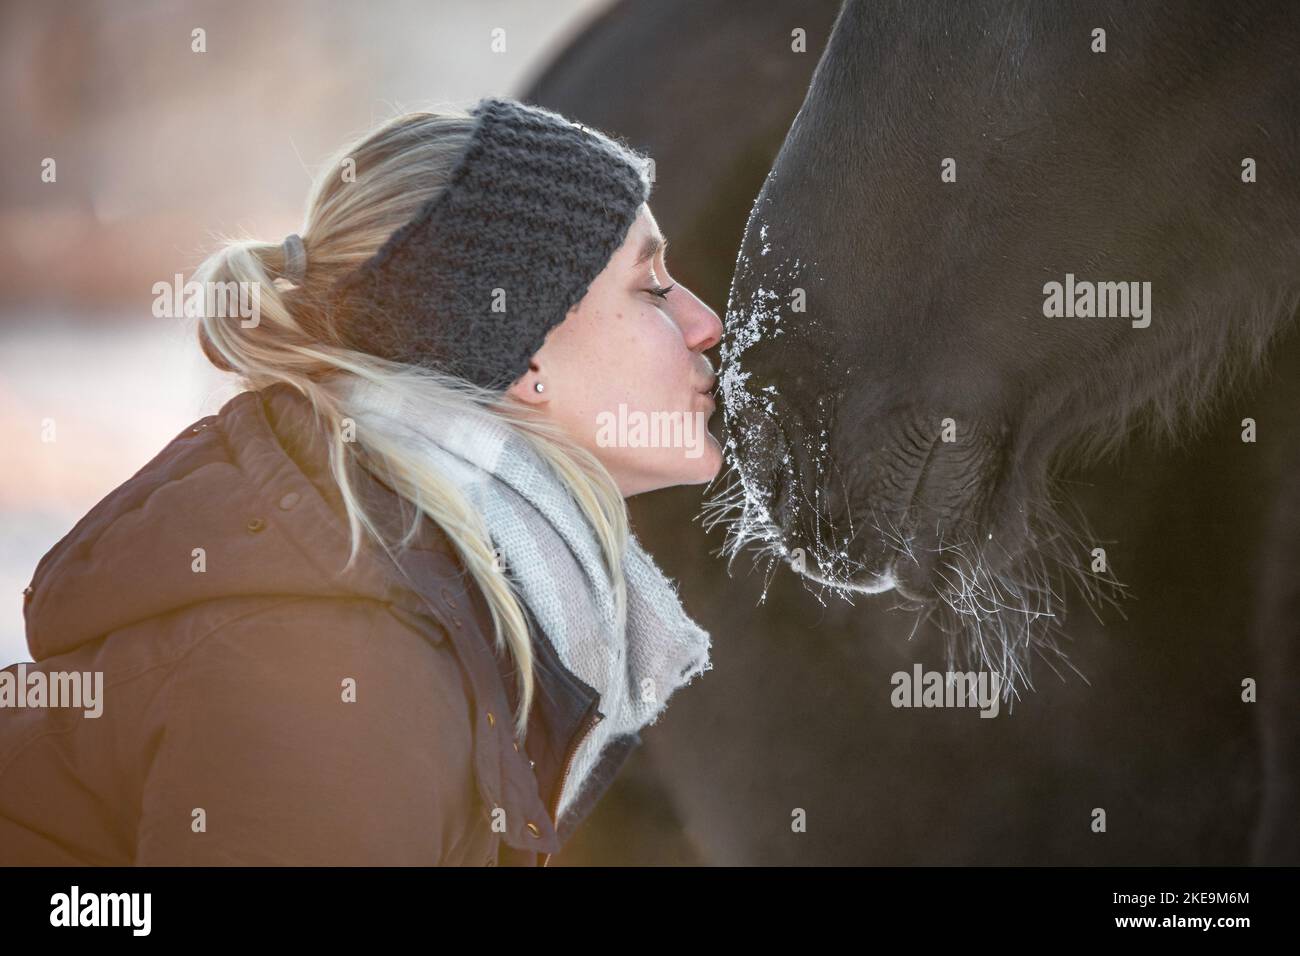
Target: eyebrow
x=651, y=245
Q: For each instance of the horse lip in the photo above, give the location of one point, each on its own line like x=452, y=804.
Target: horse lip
x=878, y=584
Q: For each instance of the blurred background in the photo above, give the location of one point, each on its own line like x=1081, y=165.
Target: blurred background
x=159, y=153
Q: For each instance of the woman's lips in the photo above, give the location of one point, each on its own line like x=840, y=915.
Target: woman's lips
x=706, y=392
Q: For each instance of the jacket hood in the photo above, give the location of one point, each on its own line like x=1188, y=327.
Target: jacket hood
x=239, y=504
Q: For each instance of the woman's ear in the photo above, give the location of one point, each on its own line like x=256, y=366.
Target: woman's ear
x=525, y=388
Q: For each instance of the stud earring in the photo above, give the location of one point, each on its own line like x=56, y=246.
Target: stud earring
x=539, y=387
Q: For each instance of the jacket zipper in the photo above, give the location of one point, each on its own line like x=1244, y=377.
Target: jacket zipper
x=591, y=722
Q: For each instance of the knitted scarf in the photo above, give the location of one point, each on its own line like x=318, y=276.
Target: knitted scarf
x=552, y=554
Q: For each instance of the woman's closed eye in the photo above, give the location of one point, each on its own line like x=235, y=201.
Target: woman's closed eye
x=662, y=291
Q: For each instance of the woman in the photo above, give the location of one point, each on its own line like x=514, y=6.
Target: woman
x=385, y=607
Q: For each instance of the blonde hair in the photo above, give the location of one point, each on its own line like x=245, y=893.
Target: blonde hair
x=398, y=166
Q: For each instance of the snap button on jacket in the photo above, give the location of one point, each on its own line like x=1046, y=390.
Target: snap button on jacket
x=262, y=706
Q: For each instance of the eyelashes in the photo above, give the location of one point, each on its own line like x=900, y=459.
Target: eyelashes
x=662, y=291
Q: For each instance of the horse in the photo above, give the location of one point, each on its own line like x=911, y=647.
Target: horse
x=930, y=460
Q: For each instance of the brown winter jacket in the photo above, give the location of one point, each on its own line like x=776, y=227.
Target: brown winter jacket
x=230, y=731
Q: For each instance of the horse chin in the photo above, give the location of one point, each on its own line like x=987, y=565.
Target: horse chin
x=991, y=573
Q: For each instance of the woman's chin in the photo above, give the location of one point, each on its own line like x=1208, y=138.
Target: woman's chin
x=705, y=467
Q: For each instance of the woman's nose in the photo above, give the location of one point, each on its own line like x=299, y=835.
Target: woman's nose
x=700, y=325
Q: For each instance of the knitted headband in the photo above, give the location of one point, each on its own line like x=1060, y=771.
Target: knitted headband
x=534, y=210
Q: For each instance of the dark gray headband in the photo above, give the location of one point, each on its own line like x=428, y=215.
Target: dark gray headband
x=535, y=208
